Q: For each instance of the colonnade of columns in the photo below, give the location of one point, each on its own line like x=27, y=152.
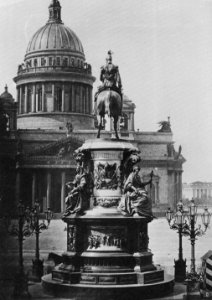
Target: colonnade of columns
x=66, y=97
x=48, y=197
x=202, y=192
x=174, y=187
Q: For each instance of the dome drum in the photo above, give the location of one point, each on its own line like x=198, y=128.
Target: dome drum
x=55, y=121
x=54, y=98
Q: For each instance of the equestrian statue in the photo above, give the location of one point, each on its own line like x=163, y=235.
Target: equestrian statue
x=108, y=98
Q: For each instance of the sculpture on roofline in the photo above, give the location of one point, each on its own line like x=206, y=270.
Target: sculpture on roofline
x=165, y=126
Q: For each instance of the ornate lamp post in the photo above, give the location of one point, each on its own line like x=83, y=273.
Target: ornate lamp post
x=176, y=222
x=20, y=230
x=37, y=227
x=193, y=232
x=185, y=223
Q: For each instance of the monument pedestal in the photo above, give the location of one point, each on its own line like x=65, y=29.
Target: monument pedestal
x=107, y=251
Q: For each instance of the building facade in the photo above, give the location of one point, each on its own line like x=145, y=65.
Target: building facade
x=55, y=115
x=198, y=190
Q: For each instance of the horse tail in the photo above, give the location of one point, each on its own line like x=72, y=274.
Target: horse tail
x=107, y=104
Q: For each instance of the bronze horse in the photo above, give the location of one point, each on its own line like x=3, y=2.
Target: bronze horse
x=108, y=102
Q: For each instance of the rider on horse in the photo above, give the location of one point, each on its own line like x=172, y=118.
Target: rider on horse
x=110, y=77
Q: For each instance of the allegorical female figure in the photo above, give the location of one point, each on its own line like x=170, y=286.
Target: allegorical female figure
x=78, y=193
x=136, y=201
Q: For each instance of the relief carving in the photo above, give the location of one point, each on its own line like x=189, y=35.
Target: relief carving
x=105, y=202
x=107, y=176
x=104, y=238
x=71, y=243
x=97, y=241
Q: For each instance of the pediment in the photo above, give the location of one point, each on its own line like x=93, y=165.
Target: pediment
x=61, y=148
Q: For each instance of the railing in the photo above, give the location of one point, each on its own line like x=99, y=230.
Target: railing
x=24, y=70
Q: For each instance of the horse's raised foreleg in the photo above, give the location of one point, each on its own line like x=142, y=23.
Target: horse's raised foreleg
x=115, y=121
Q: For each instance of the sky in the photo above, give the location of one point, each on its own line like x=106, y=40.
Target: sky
x=164, y=52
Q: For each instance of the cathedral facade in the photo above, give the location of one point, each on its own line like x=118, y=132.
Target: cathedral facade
x=54, y=108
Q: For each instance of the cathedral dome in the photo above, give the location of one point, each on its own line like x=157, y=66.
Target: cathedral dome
x=54, y=36
x=6, y=96
x=54, y=83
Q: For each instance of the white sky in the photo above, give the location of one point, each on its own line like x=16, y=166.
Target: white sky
x=164, y=52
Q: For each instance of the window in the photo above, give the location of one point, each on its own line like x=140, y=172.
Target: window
x=29, y=64
x=43, y=61
x=72, y=62
x=50, y=61
x=65, y=61
x=58, y=61
x=35, y=62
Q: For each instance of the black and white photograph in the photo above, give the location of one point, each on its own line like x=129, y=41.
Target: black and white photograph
x=105, y=149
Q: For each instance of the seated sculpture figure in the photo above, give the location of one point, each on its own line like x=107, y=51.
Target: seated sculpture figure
x=78, y=193
x=136, y=201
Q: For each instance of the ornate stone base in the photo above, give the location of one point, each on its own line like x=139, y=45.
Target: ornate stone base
x=107, y=257
x=124, y=291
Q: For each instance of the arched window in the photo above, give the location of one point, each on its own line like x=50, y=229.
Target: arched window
x=43, y=61
x=58, y=99
x=35, y=62
x=58, y=61
x=65, y=62
x=50, y=61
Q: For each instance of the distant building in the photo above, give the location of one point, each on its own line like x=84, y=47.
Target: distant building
x=55, y=115
x=201, y=191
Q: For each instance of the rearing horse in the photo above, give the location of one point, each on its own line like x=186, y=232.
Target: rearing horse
x=108, y=102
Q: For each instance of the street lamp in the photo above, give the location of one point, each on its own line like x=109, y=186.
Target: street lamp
x=37, y=227
x=193, y=232
x=176, y=222
x=185, y=223
x=20, y=230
